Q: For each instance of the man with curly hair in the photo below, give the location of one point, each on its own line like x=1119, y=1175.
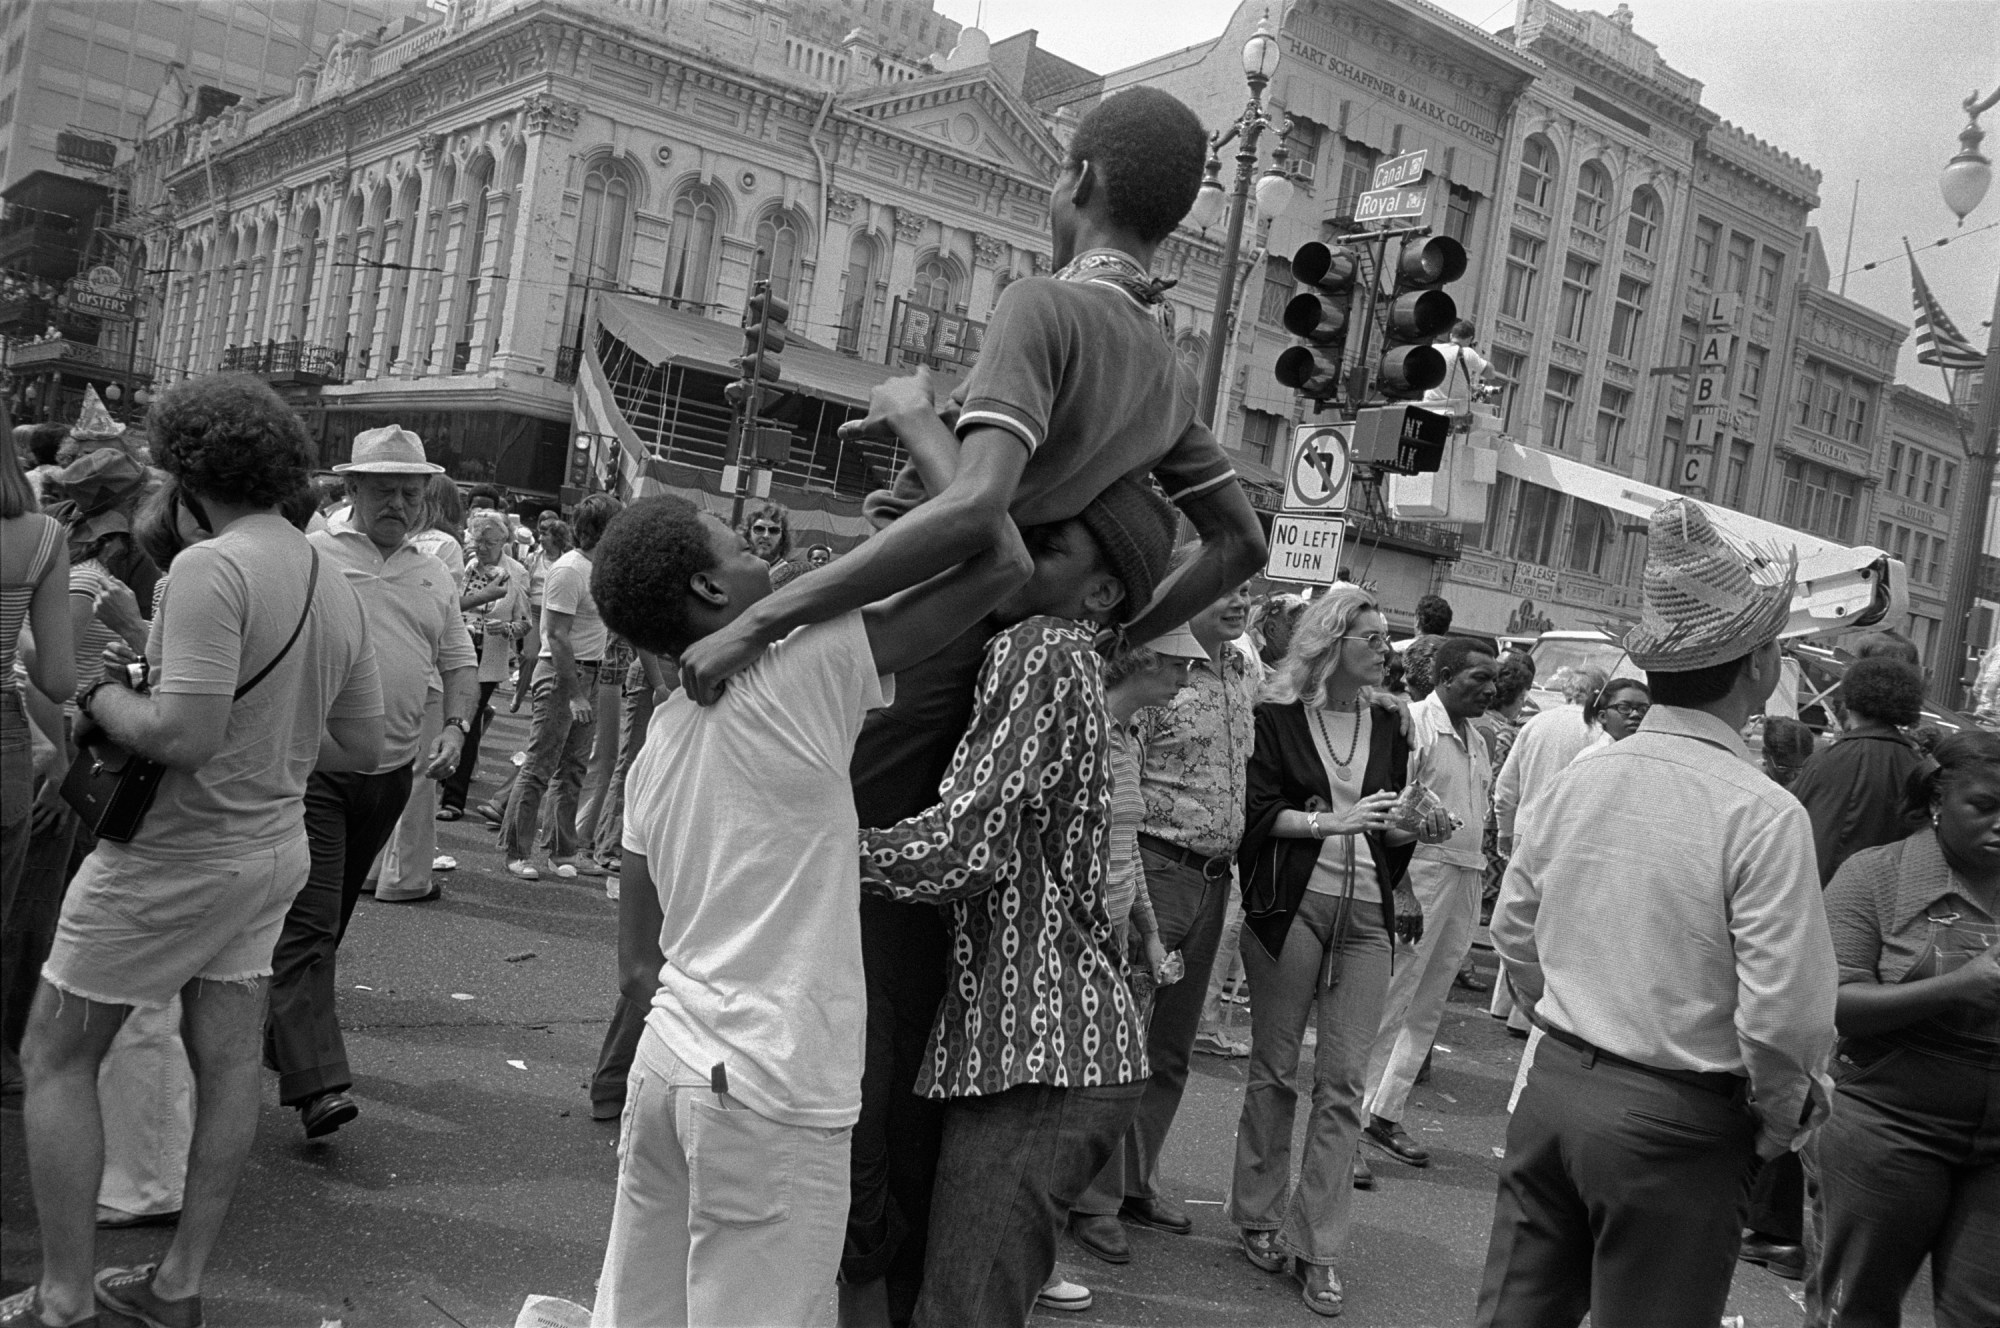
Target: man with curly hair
x=261, y=672
x=1076, y=386
x=739, y=900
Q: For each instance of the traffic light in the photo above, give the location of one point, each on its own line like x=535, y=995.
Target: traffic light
x=1419, y=313
x=763, y=341
x=578, y=476
x=1318, y=315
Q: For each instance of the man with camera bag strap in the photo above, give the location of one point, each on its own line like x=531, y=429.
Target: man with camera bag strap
x=192, y=903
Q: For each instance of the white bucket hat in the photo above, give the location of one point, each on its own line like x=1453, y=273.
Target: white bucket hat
x=389, y=450
x=1179, y=643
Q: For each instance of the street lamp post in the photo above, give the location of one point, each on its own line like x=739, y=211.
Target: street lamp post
x=1274, y=192
x=1964, y=184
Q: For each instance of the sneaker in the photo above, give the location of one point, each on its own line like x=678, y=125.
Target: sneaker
x=524, y=869
x=565, y=871
x=1221, y=1044
x=130, y=1292
x=583, y=867
x=1062, y=1294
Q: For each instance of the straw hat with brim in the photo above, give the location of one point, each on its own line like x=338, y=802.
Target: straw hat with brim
x=1706, y=603
x=389, y=450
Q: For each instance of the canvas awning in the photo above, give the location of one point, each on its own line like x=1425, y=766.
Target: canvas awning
x=1841, y=586
x=675, y=336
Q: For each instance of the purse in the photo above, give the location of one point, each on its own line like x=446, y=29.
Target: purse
x=111, y=788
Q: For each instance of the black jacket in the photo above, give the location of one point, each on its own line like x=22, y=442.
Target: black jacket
x=1285, y=771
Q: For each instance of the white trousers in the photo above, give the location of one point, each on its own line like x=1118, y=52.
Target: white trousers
x=1422, y=981
x=146, y=1094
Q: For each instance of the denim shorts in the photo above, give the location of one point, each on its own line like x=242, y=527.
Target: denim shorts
x=136, y=929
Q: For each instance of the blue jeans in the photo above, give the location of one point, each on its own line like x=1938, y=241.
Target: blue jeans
x=1011, y=1165
x=558, y=751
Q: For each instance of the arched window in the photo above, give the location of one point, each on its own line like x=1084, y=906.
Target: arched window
x=1538, y=171
x=857, y=295
x=937, y=283
x=600, y=222
x=1191, y=350
x=691, y=248
x=778, y=243
x=1644, y=224
x=471, y=259
x=1593, y=197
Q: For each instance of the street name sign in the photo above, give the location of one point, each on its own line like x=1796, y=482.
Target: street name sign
x=1398, y=171
x=1392, y=204
x=1306, y=549
x=1317, y=479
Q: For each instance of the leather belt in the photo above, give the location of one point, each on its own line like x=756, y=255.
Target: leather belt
x=1213, y=869
x=1710, y=1081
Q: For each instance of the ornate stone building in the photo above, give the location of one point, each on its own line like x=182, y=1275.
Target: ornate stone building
x=1919, y=496
x=1746, y=237
x=439, y=228
x=1575, y=315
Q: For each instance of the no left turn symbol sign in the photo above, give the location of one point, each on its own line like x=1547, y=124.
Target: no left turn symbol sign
x=1317, y=479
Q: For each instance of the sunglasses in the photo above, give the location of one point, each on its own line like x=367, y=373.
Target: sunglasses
x=760, y=528
x=1375, y=640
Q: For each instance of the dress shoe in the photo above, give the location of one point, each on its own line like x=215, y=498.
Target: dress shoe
x=1102, y=1236
x=1159, y=1214
x=1392, y=1139
x=1787, y=1261
x=1364, y=1177
x=1468, y=979
x=327, y=1113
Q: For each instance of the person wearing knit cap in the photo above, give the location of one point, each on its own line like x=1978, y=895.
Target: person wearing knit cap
x=1662, y=922
x=1038, y=1050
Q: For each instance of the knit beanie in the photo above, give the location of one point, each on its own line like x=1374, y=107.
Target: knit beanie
x=1133, y=524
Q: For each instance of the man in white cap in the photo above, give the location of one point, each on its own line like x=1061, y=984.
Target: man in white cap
x=1662, y=920
x=410, y=606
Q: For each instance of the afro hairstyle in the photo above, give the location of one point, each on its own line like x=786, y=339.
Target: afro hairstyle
x=1149, y=151
x=229, y=437
x=1884, y=689
x=640, y=570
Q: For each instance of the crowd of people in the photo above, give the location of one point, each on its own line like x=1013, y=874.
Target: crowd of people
x=933, y=860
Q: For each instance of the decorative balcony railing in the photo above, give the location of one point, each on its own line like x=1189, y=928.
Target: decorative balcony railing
x=285, y=359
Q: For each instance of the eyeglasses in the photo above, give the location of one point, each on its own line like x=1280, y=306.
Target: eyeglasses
x=1375, y=640
x=764, y=528
x=1631, y=709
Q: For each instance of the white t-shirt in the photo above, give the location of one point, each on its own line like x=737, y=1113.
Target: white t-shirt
x=1463, y=368
x=746, y=817
x=568, y=591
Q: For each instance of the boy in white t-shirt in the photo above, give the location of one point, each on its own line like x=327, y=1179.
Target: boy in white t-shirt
x=740, y=829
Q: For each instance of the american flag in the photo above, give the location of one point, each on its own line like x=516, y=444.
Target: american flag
x=1938, y=341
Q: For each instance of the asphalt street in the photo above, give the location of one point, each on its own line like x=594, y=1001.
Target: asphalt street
x=475, y=1176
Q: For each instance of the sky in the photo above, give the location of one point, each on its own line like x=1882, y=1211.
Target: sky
x=1866, y=90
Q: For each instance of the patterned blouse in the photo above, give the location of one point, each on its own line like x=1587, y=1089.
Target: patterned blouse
x=1018, y=851
x=1195, y=750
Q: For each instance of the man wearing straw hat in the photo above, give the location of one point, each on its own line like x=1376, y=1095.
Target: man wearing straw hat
x=410, y=605
x=1662, y=920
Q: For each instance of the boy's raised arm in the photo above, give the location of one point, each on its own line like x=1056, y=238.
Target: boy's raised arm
x=967, y=520
x=924, y=619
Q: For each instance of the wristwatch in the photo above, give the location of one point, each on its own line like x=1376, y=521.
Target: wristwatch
x=454, y=722
x=84, y=698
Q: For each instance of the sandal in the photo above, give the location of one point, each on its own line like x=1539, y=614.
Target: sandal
x=23, y=1309
x=1261, y=1249
x=1319, y=1287
x=450, y=813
